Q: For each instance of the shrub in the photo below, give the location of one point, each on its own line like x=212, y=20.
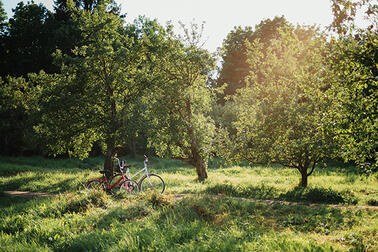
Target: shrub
x=372, y=202
x=157, y=199
x=74, y=203
x=318, y=195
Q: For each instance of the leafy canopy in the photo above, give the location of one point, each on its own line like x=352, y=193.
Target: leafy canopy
x=281, y=112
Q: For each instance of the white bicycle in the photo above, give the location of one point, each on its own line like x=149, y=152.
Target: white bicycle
x=146, y=181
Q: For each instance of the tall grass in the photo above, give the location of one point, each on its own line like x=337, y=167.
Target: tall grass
x=224, y=213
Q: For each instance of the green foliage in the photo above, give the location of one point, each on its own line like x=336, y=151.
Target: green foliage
x=235, y=67
x=280, y=114
x=16, y=133
x=179, y=107
x=89, y=101
x=28, y=36
x=318, y=195
x=354, y=98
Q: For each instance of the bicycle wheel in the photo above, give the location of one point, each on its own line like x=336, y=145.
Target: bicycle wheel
x=129, y=186
x=95, y=184
x=152, y=182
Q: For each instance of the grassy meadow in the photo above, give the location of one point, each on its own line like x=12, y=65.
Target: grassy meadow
x=239, y=208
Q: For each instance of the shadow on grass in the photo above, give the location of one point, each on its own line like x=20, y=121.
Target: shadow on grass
x=14, y=201
x=261, y=218
x=298, y=194
x=256, y=192
x=13, y=165
x=32, y=184
x=122, y=214
x=318, y=195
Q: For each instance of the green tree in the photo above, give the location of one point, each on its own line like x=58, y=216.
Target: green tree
x=67, y=34
x=88, y=101
x=353, y=91
x=235, y=67
x=281, y=113
x=353, y=60
x=16, y=133
x=27, y=43
x=181, y=126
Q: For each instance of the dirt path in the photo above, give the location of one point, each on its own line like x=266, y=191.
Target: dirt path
x=26, y=194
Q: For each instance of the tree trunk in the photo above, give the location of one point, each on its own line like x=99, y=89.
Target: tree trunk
x=304, y=180
x=304, y=172
x=201, y=166
x=109, y=163
x=198, y=161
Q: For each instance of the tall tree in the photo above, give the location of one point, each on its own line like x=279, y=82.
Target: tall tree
x=14, y=114
x=27, y=43
x=280, y=114
x=353, y=91
x=87, y=102
x=234, y=52
x=180, y=105
x=67, y=34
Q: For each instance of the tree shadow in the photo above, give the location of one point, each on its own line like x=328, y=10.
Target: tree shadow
x=15, y=202
x=318, y=195
x=257, y=192
x=20, y=183
x=252, y=219
x=14, y=165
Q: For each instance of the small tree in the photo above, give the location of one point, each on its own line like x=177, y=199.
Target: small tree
x=180, y=105
x=280, y=114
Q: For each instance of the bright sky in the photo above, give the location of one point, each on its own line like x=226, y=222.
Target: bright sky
x=220, y=16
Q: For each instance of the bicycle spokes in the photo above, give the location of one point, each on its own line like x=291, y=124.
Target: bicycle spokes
x=130, y=186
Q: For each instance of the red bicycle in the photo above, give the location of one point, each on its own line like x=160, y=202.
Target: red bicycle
x=122, y=183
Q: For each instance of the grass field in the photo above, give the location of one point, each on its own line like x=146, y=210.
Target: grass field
x=236, y=209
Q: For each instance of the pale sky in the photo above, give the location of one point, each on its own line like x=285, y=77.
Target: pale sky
x=220, y=16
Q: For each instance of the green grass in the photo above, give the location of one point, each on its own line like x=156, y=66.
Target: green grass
x=237, y=208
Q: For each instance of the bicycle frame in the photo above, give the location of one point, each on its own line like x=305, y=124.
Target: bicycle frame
x=144, y=170
x=119, y=181
x=143, y=174
x=115, y=184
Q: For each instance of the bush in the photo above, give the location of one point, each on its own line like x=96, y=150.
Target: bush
x=157, y=199
x=318, y=195
x=372, y=202
x=77, y=202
